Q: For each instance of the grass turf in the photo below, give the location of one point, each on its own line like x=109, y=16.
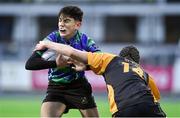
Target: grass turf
x=30, y=107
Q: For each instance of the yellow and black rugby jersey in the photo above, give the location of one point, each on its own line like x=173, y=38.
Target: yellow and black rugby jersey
x=99, y=61
x=127, y=83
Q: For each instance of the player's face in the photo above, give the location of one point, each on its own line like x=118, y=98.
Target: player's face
x=68, y=26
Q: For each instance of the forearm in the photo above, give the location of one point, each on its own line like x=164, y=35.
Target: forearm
x=35, y=62
x=80, y=56
x=68, y=51
x=60, y=48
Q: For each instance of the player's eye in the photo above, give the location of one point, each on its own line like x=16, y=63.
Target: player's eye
x=60, y=20
x=67, y=20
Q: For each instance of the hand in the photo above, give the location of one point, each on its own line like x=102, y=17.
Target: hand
x=62, y=61
x=78, y=66
x=41, y=45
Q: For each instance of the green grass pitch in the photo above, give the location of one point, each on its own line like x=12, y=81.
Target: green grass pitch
x=30, y=107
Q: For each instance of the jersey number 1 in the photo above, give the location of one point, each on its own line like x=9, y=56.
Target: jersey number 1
x=137, y=70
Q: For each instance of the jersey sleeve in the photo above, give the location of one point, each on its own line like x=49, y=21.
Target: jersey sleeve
x=53, y=36
x=99, y=61
x=154, y=89
x=91, y=46
x=35, y=61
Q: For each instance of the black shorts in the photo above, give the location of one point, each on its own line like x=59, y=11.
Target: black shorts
x=141, y=110
x=76, y=95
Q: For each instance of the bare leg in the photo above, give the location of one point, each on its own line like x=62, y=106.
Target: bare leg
x=93, y=112
x=52, y=109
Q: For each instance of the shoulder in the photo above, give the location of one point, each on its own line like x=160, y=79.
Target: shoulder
x=99, y=61
x=83, y=36
x=53, y=36
x=87, y=43
x=105, y=57
x=55, y=33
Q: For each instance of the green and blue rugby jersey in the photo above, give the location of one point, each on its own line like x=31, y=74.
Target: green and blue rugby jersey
x=79, y=41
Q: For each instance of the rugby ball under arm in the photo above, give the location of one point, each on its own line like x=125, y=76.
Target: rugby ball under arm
x=49, y=55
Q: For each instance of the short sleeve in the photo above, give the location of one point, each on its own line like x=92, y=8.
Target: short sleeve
x=99, y=61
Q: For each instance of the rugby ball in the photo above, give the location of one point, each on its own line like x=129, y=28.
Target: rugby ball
x=49, y=55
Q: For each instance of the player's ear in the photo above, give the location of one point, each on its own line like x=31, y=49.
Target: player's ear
x=78, y=24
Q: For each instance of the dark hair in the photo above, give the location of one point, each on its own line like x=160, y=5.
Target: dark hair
x=131, y=53
x=72, y=11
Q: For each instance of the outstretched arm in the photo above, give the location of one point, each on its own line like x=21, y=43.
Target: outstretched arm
x=64, y=50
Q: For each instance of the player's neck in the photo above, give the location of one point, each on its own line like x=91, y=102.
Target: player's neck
x=67, y=39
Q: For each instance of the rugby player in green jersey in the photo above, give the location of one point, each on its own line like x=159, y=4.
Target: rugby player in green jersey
x=67, y=88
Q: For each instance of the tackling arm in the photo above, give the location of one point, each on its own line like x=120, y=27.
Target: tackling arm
x=64, y=50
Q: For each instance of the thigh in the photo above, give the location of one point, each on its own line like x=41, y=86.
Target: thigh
x=92, y=112
x=52, y=109
x=53, y=105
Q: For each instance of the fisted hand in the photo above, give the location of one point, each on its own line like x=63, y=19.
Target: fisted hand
x=78, y=66
x=41, y=45
x=62, y=61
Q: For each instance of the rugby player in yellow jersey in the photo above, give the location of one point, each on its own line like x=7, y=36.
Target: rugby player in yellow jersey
x=132, y=53
x=128, y=91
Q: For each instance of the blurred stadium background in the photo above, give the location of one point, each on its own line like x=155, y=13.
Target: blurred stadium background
x=152, y=25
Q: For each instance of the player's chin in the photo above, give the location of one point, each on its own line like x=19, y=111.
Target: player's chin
x=63, y=34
